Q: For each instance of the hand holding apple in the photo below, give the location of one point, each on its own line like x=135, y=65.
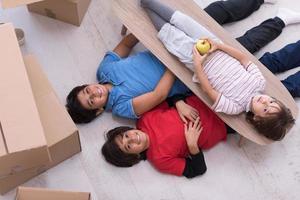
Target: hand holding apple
x=198, y=58
x=213, y=45
x=203, y=46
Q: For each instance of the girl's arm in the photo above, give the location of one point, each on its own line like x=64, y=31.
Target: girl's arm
x=204, y=83
x=237, y=54
x=195, y=165
x=147, y=101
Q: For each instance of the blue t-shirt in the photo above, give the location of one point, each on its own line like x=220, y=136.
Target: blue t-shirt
x=132, y=77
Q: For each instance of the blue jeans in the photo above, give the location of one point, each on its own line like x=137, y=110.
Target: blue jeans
x=285, y=59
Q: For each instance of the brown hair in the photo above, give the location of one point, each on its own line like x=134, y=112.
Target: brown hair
x=114, y=155
x=274, y=126
x=77, y=112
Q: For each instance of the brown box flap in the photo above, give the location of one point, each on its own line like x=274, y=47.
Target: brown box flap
x=25, y=193
x=55, y=117
x=21, y=126
x=15, y=3
x=2, y=143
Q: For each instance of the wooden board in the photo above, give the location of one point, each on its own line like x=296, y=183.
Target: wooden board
x=137, y=21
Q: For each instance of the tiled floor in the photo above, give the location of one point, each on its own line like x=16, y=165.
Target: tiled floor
x=70, y=56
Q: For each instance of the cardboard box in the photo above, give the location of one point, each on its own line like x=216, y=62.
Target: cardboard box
x=61, y=133
x=70, y=11
x=23, y=144
x=27, y=193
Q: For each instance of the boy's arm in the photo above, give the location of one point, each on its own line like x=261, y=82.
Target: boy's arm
x=147, y=101
x=124, y=48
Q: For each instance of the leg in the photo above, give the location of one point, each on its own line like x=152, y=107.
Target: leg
x=157, y=21
x=283, y=60
x=165, y=12
x=232, y=10
x=257, y=37
x=178, y=19
x=292, y=84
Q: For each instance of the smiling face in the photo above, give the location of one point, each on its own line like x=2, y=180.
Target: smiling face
x=93, y=96
x=133, y=141
x=264, y=105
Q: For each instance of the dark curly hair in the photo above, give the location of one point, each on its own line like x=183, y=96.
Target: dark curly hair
x=274, y=126
x=114, y=155
x=77, y=112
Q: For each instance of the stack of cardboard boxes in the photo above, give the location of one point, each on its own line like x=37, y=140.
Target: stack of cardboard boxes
x=70, y=11
x=36, y=132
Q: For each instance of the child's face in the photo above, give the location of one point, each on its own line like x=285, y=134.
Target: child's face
x=93, y=96
x=264, y=105
x=133, y=141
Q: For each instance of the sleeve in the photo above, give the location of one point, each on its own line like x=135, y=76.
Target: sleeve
x=254, y=70
x=227, y=106
x=125, y=109
x=173, y=99
x=194, y=165
x=109, y=57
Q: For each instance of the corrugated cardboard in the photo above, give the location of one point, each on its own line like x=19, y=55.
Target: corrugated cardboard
x=22, y=140
x=15, y=3
x=61, y=133
x=70, y=11
x=27, y=193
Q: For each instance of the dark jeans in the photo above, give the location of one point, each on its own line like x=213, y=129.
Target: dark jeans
x=234, y=10
x=285, y=59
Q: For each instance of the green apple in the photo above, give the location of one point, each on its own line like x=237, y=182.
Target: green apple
x=203, y=46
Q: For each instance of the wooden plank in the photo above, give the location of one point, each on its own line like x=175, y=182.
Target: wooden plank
x=137, y=21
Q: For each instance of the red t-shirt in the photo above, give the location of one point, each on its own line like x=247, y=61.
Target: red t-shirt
x=168, y=148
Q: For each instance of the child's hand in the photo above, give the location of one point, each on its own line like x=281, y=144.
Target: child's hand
x=213, y=45
x=186, y=112
x=192, y=132
x=198, y=58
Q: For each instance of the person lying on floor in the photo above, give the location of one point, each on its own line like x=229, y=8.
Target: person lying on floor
x=123, y=80
x=169, y=144
x=231, y=81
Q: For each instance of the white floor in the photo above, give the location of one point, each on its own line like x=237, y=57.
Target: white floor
x=70, y=56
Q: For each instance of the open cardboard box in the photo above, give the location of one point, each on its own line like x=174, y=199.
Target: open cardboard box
x=49, y=118
x=70, y=11
x=23, y=144
x=27, y=193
